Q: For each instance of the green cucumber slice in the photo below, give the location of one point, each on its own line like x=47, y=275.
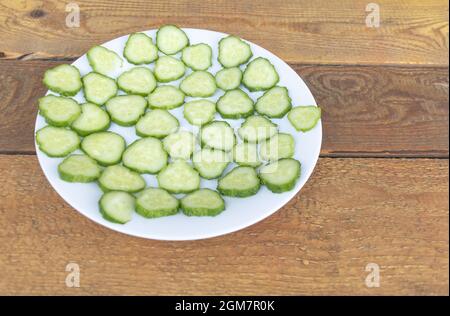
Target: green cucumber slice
x=92, y=119
x=98, y=88
x=260, y=74
x=199, y=84
x=304, y=118
x=145, y=155
x=256, y=129
x=120, y=178
x=165, y=97
x=218, y=135
x=157, y=123
x=197, y=57
x=105, y=147
x=179, y=177
x=63, y=79
x=235, y=104
x=233, y=51
x=239, y=182
x=117, y=207
x=125, y=110
x=180, y=145
x=59, y=111
x=199, y=112
x=57, y=141
x=170, y=39
x=138, y=80
x=203, y=202
x=103, y=60
x=79, y=168
x=168, y=69
x=140, y=49
x=246, y=154
x=156, y=202
x=279, y=146
x=210, y=163
x=281, y=176
x=229, y=78
x=274, y=103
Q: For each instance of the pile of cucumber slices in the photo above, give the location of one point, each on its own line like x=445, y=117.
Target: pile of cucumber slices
x=142, y=98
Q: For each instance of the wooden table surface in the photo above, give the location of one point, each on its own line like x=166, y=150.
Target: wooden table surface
x=379, y=193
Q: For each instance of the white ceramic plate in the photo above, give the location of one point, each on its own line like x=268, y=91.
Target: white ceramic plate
x=240, y=212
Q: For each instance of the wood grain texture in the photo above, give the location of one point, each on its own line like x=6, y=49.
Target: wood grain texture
x=352, y=212
x=368, y=110
x=301, y=31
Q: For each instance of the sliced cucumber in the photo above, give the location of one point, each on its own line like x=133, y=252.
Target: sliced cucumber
x=98, y=88
x=138, y=80
x=117, y=207
x=157, y=123
x=57, y=141
x=126, y=110
x=180, y=145
x=79, y=168
x=92, y=119
x=179, y=177
x=210, y=163
x=246, y=154
x=120, y=178
x=260, y=74
x=199, y=84
x=155, y=202
x=146, y=155
x=281, y=176
x=197, y=57
x=239, y=182
x=165, y=97
x=199, y=112
x=279, y=146
x=304, y=118
x=235, y=104
x=256, y=129
x=168, y=69
x=140, y=49
x=274, y=103
x=233, y=51
x=170, y=39
x=63, y=79
x=59, y=111
x=229, y=78
x=218, y=135
x=105, y=147
x=103, y=60
x=203, y=202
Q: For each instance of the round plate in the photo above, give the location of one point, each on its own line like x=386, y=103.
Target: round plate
x=239, y=212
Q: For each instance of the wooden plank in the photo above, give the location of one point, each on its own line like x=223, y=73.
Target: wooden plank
x=392, y=212
x=302, y=31
x=368, y=110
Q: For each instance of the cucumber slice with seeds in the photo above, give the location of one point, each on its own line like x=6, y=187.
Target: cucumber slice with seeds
x=274, y=103
x=117, y=206
x=239, y=182
x=246, y=154
x=218, y=135
x=199, y=84
x=197, y=57
x=279, y=146
x=63, y=79
x=156, y=202
x=170, y=39
x=140, y=49
x=79, y=168
x=59, y=111
x=199, y=112
x=203, y=202
x=146, y=155
x=229, y=78
x=157, y=123
x=120, y=178
x=98, y=88
x=256, y=129
x=165, y=97
x=179, y=177
x=138, y=80
x=92, y=119
x=125, y=110
x=233, y=51
x=168, y=69
x=103, y=60
x=180, y=145
x=57, y=141
x=235, y=104
x=304, y=118
x=260, y=74
x=210, y=163
x=281, y=176
x=105, y=147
